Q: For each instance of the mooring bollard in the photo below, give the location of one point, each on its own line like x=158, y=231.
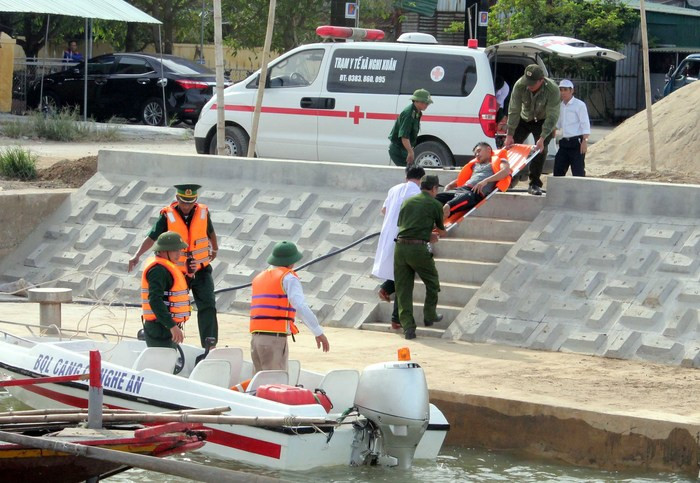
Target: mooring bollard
x=50, y=300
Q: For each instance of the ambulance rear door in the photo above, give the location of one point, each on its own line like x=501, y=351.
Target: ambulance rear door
x=364, y=81
x=288, y=126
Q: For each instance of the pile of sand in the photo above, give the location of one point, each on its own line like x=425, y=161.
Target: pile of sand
x=676, y=121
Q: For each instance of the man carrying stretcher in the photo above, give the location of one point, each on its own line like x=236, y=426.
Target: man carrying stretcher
x=477, y=179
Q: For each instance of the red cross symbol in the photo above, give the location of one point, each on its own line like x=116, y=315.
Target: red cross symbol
x=356, y=115
x=437, y=73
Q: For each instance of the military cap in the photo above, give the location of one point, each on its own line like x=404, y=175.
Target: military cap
x=422, y=95
x=533, y=73
x=187, y=193
x=284, y=254
x=170, y=241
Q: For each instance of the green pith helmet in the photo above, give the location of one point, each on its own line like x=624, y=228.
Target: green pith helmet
x=170, y=241
x=187, y=193
x=422, y=95
x=284, y=254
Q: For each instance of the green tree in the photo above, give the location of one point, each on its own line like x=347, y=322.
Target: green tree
x=30, y=29
x=606, y=23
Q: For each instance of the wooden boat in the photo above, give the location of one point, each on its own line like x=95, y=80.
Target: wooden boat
x=28, y=464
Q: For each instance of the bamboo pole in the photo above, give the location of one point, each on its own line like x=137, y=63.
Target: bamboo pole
x=182, y=418
x=35, y=412
x=219, y=60
x=647, y=86
x=262, y=80
x=182, y=469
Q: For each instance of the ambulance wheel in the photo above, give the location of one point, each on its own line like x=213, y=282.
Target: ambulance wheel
x=235, y=144
x=433, y=154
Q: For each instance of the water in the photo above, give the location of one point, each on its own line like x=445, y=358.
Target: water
x=455, y=464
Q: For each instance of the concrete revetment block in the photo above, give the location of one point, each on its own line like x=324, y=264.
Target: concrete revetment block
x=536, y=252
x=117, y=239
x=589, y=284
x=110, y=214
x=607, y=262
x=243, y=199
x=553, y=280
x=158, y=195
x=102, y=189
x=253, y=227
x=333, y=210
x=82, y=212
x=136, y=216
x=643, y=319
x=282, y=228
x=595, y=231
x=68, y=259
x=569, y=256
x=661, y=350
x=584, y=342
x=623, y=289
x=514, y=332
x=662, y=237
x=623, y=344
x=691, y=247
x=130, y=193
x=40, y=256
x=682, y=324
x=550, y=337
x=659, y=292
x=625, y=234
x=679, y=263
x=302, y=205
x=690, y=293
x=496, y=303
x=641, y=262
x=476, y=327
x=62, y=233
x=603, y=315
x=273, y=204
x=89, y=237
x=558, y=228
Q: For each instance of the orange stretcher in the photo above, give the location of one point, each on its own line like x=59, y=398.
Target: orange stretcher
x=519, y=156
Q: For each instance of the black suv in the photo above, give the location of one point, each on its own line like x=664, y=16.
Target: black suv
x=130, y=86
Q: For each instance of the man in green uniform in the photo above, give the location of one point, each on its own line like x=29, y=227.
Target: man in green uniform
x=533, y=109
x=163, y=331
x=185, y=217
x=404, y=134
x=419, y=215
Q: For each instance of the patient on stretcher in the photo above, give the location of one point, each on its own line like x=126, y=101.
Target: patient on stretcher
x=478, y=178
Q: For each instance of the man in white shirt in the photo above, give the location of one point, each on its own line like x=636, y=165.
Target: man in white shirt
x=384, y=259
x=277, y=300
x=574, y=127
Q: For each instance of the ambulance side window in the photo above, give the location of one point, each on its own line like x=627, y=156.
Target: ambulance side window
x=366, y=71
x=440, y=74
x=298, y=70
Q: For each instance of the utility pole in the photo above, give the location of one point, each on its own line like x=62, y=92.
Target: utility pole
x=219, y=56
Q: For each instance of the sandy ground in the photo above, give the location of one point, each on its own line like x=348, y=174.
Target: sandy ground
x=551, y=378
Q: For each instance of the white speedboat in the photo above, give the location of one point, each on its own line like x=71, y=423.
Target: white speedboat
x=387, y=418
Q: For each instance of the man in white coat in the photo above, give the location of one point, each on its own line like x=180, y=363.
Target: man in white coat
x=384, y=259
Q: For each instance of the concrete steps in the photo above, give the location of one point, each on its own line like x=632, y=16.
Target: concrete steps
x=466, y=259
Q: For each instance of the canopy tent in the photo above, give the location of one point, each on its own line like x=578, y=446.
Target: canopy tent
x=89, y=9
x=103, y=9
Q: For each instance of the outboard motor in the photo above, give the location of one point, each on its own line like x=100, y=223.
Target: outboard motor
x=393, y=396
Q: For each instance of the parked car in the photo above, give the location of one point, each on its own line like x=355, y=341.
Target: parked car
x=130, y=85
x=337, y=102
x=686, y=72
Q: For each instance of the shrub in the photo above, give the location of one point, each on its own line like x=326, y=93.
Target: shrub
x=18, y=163
x=17, y=129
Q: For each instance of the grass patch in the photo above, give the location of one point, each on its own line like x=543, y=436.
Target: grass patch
x=64, y=125
x=18, y=163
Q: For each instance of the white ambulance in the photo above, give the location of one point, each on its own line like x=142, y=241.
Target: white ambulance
x=337, y=101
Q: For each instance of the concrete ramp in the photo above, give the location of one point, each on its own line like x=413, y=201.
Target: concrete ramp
x=254, y=203
x=608, y=268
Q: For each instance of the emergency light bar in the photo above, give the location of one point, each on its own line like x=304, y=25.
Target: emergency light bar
x=333, y=32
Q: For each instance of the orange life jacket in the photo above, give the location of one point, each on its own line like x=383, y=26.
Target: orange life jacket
x=496, y=159
x=178, y=297
x=270, y=310
x=198, y=245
